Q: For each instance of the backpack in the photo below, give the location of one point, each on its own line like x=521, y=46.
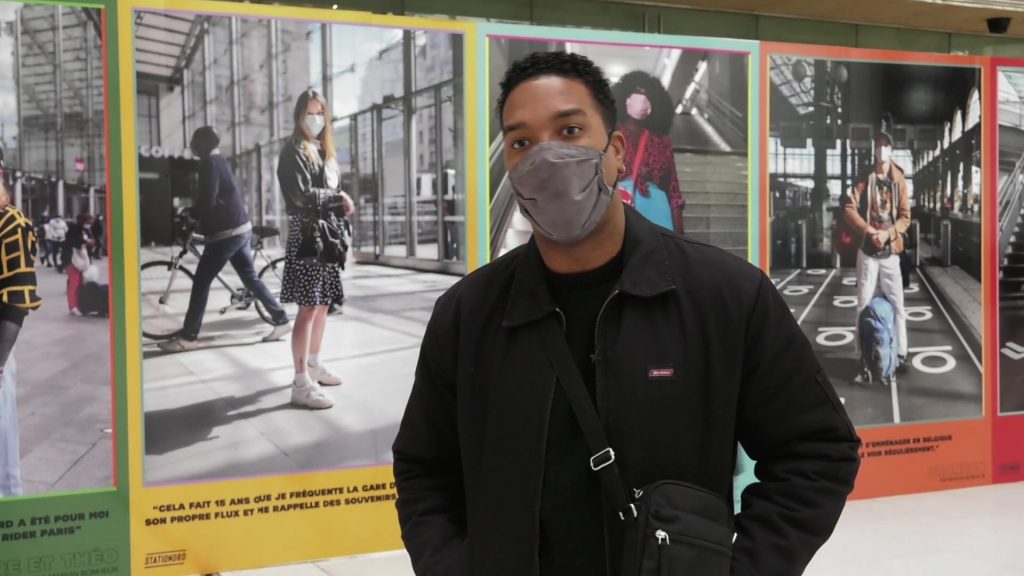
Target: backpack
x=92, y=299
x=877, y=329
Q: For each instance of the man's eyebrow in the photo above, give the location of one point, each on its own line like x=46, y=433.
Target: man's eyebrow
x=560, y=115
x=514, y=127
x=570, y=112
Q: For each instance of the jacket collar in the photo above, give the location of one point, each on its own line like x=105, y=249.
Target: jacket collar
x=645, y=272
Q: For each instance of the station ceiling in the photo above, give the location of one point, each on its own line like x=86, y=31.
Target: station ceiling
x=959, y=16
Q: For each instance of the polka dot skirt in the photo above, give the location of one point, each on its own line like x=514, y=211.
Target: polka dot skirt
x=307, y=284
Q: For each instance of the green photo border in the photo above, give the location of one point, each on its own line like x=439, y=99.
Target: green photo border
x=101, y=541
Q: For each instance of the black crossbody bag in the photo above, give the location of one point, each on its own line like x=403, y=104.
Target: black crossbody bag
x=323, y=238
x=671, y=528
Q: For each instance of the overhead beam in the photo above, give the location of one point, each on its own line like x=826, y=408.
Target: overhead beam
x=148, y=77
x=93, y=15
x=193, y=42
x=140, y=37
x=51, y=57
x=151, y=26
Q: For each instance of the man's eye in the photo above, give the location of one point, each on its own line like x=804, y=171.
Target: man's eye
x=572, y=130
x=519, y=144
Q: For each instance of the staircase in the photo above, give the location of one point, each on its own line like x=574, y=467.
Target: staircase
x=1011, y=216
x=1011, y=268
x=715, y=187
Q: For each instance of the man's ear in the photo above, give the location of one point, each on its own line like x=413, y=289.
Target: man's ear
x=617, y=148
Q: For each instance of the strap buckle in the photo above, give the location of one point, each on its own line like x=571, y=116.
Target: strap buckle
x=602, y=459
x=632, y=508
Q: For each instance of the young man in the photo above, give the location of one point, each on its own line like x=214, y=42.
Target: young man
x=685, y=351
x=878, y=208
x=227, y=230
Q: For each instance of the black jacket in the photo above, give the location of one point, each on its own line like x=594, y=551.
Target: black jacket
x=470, y=451
x=303, y=184
x=220, y=206
x=78, y=235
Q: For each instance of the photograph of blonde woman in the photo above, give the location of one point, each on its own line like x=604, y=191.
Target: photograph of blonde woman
x=299, y=218
x=308, y=174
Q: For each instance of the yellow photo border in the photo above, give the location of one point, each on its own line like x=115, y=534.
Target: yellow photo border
x=259, y=540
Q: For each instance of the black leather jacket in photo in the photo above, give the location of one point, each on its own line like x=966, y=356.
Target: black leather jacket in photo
x=304, y=185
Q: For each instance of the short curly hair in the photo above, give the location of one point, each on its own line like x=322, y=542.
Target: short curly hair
x=206, y=136
x=662, y=110
x=565, y=65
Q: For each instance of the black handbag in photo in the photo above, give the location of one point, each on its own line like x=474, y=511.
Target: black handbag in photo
x=323, y=240
x=671, y=528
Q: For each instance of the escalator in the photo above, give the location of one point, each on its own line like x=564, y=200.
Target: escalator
x=508, y=226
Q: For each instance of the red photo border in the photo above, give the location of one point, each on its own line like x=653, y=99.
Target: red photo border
x=1007, y=431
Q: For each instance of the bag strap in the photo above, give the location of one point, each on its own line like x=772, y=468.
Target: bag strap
x=639, y=156
x=894, y=208
x=866, y=197
x=602, y=460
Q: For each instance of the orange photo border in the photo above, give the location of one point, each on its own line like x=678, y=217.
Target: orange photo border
x=967, y=459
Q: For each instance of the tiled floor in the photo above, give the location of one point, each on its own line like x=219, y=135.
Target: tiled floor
x=976, y=532
x=223, y=411
x=64, y=394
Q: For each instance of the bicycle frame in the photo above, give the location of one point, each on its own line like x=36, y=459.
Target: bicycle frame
x=189, y=247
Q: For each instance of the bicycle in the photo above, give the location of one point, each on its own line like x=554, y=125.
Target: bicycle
x=166, y=285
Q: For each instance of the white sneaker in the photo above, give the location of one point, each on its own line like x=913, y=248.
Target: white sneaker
x=76, y=312
x=324, y=376
x=279, y=332
x=310, y=396
x=178, y=345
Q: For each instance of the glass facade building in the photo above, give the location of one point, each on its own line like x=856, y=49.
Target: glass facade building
x=52, y=114
x=396, y=99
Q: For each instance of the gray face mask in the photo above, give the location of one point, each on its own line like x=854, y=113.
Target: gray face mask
x=561, y=190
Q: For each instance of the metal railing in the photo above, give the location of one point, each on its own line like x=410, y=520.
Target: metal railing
x=1010, y=205
x=383, y=218
x=727, y=119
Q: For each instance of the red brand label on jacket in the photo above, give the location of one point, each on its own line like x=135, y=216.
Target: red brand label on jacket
x=661, y=373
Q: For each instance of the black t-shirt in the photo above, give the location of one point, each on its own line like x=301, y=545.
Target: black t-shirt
x=572, y=538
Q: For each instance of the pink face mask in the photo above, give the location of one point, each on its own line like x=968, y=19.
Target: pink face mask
x=638, y=106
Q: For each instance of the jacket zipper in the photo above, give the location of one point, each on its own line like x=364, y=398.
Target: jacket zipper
x=597, y=391
x=561, y=318
x=597, y=327
x=547, y=426
x=594, y=358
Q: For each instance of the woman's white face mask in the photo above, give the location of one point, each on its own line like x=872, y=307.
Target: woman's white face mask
x=314, y=124
x=638, y=106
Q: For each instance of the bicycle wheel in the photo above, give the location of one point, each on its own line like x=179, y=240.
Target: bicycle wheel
x=272, y=275
x=164, y=294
